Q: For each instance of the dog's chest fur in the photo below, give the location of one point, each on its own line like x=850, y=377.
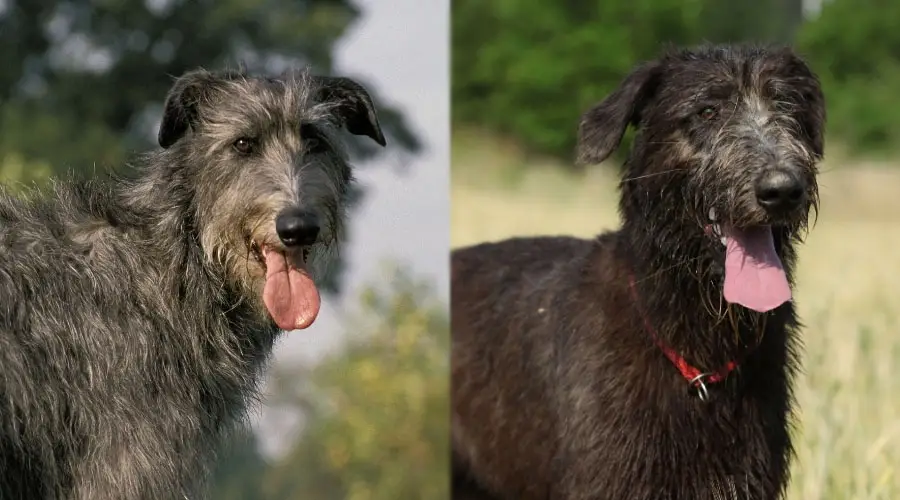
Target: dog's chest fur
x=609, y=415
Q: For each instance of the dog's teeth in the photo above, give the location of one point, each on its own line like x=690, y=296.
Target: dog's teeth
x=717, y=230
x=722, y=240
x=712, y=214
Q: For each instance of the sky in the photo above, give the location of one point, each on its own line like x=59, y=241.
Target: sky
x=401, y=48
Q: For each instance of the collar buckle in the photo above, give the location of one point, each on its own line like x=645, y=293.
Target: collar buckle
x=699, y=387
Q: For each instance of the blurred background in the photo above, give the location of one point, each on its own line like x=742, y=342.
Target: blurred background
x=524, y=70
x=355, y=407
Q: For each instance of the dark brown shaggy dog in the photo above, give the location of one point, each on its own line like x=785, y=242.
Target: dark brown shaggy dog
x=576, y=362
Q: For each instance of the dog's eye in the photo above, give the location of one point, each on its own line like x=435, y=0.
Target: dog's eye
x=708, y=113
x=244, y=145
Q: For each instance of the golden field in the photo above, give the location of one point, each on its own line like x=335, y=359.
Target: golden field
x=848, y=433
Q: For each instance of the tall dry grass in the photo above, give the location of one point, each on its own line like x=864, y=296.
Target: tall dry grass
x=848, y=433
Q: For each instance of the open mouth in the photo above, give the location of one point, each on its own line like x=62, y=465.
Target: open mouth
x=257, y=250
x=754, y=274
x=714, y=228
x=290, y=294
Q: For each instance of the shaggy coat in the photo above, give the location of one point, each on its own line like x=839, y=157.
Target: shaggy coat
x=558, y=388
x=132, y=325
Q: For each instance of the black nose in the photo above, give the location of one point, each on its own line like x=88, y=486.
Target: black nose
x=780, y=190
x=296, y=227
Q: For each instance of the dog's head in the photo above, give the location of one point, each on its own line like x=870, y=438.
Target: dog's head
x=727, y=143
x=271, y=176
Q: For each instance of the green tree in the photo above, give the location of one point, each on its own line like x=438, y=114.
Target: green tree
x=16, y=172
x=377, y=414
x=529, y=68
x=854, y=45
x=90, y=77
x=766, y=21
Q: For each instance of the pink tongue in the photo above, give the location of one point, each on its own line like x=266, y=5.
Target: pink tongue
x=290, y=294
x=754, y=275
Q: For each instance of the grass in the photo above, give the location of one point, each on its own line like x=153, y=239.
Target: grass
x=848, y=433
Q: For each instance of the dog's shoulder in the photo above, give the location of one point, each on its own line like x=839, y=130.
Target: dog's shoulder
x=518, y=269
x=522, y=249
x=14, y=205
x=50, y=201
x=76, y=222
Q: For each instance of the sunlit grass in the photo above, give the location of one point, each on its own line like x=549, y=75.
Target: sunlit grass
x=848, y=437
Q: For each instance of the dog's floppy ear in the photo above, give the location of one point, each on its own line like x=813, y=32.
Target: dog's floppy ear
x=811, y=99
x=180, y=109
x=602, y=127
x=355, y=108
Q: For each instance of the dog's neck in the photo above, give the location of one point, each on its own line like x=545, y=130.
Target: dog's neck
x=164, y=216
x=676, y=255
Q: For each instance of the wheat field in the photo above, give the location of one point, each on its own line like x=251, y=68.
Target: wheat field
x=848, y=421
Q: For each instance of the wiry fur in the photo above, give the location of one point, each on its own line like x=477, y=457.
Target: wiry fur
x=558, y=390
x=132, y=329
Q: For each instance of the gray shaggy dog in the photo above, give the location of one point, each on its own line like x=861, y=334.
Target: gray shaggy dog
x=136, y=314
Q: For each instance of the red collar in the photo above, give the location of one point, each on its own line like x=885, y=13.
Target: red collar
x=694, y=376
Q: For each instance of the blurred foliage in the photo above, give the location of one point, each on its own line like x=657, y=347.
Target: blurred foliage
x=83, y=83
x=241, y=469
x=855, y=47
x=16, y=172
x=90, y=77
x=534, y=77
x=527, y=69
x=376, y=416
